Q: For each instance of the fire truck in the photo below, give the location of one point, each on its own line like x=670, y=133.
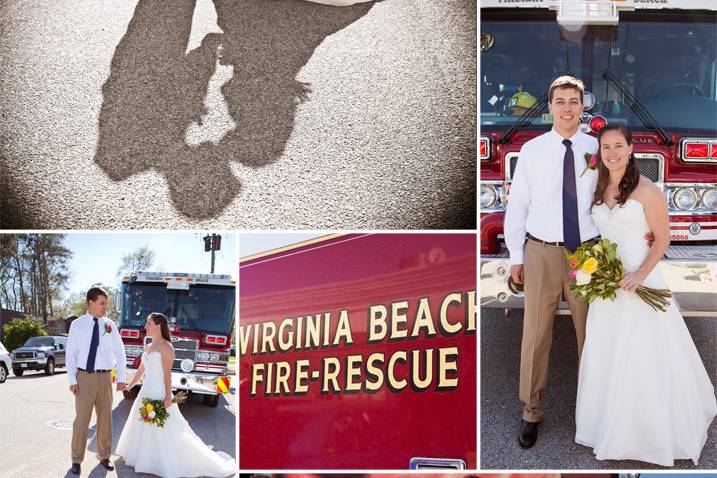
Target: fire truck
x=358, y=351
x=650, y=65
x=200, y=309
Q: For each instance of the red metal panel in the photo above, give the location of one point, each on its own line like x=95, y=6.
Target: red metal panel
x=358, y=430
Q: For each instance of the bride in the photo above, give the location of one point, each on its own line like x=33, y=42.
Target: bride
x=643, y=392
x=174, y=450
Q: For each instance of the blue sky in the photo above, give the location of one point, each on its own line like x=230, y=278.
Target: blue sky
x=96, y=256
x=254, y=243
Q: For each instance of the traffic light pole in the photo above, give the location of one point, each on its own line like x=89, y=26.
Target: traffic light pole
x=212, y=244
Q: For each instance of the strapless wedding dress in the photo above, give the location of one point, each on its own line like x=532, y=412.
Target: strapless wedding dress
x=643, y=392
x=172, y=451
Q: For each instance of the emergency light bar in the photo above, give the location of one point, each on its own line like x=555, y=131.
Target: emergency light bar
x=579, y=12
x=484, y=148
x=699, y=150
x=179, y=280
x=130, y=333
x=216, y=339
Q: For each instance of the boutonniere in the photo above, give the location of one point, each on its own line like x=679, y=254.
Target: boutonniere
x=590, y=163
x=108, y=329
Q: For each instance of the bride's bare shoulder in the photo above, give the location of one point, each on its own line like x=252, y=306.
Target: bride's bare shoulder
x=647, y=192
x=645, y=187
x=166, y=348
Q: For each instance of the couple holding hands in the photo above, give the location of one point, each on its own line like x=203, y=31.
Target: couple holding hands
x=94, y=348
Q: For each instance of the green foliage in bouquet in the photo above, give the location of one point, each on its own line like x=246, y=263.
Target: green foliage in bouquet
x=155, y=413
x=597, y=271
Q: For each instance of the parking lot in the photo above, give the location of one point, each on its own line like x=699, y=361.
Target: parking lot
x=556, y=449
x=36, y=414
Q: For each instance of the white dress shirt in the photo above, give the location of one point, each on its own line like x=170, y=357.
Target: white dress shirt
x=535, y=200
x=110, y=351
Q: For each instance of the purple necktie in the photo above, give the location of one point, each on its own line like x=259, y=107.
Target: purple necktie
x=93, y=347
x=571, y=226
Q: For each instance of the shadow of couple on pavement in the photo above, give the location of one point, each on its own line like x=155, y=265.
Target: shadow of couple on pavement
x=155, y=94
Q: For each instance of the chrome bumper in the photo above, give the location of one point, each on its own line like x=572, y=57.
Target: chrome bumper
x=200, y=383
x=28, y=363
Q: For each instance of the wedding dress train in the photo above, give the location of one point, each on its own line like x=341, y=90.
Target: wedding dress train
x=172, y=451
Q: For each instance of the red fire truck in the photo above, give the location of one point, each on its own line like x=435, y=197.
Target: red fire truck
x=648, y=64
x=200, y=309
x=358, y=351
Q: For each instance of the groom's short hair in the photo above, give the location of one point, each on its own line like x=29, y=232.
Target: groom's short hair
x=564, y=82
x=95, y=292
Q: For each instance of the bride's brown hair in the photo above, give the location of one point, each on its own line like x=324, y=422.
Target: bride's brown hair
x=161, y=320
x=629, y=180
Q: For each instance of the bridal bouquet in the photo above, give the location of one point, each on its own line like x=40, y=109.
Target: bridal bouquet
x=155, y=413
x=597, y=272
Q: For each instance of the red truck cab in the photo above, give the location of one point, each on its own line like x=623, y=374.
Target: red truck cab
x=200, y=309
x=651, y=66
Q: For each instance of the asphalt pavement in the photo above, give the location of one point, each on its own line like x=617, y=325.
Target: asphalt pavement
x=556, y=449
x=237, y=114
x=36, y=414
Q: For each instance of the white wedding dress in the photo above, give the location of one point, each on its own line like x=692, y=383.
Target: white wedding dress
x=643, y=392
x=174, y=450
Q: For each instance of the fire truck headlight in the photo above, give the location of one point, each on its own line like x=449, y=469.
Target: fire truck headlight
x=685, y=199
x=203, y=356
x=488, y=196
x=186, y=365
x=709, y=199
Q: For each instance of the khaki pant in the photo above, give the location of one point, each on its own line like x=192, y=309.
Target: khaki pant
x=546, y=276
x=95, y=392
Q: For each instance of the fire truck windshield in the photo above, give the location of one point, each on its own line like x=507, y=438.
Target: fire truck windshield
x=666, y=59
x=201, y=308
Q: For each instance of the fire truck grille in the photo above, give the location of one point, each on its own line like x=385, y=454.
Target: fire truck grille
x=184, y=349
x=25, y=355
x=649, y=167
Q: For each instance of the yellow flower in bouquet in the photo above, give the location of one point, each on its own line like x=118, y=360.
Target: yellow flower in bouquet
x=590, y=265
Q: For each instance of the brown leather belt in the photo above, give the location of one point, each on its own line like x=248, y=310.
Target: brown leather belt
x=557, y=243
x=545, y=243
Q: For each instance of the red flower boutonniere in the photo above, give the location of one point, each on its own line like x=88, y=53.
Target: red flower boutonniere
x=108, y=329
x=590, y=163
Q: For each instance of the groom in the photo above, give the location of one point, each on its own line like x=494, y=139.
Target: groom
x=94, y=348
x=548, y=212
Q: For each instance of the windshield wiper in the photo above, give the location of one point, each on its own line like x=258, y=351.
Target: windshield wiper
x=636, y=106
x=526, y=118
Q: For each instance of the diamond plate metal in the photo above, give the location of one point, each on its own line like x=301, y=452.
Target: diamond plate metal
x=699, y=252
